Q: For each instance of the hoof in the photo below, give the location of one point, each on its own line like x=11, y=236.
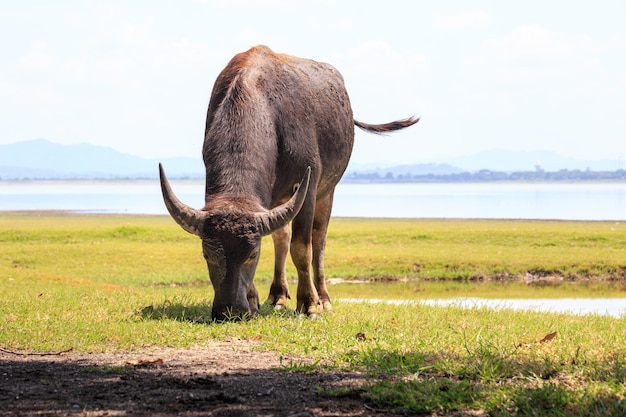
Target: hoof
x=313, y=316
x=277, y=302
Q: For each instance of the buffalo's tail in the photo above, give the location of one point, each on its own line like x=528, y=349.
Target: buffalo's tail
x=387, y=127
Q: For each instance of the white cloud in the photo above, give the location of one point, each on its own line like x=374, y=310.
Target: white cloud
x=554, y=87
x=531, y=53
x=136, y=34
x=28, y=96
x=135, y=76
x=262, y=4
x=39, y=58
x=324, y=25
x=248, y=37
x=537, y=41
x=380, y=57
x=465, y=19
x=135, y=55
x=182, y=52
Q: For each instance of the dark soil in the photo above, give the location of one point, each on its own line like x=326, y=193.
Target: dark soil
x=223, y=379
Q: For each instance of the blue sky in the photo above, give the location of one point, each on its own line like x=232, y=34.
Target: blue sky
x=482, y=75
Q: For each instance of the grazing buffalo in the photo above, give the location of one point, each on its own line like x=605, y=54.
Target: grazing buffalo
x=279, y=134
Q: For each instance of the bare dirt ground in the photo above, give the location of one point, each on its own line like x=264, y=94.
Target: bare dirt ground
x=223, y=379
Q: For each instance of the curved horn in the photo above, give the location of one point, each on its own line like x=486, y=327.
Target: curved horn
x=187, y=217
x=278, y=217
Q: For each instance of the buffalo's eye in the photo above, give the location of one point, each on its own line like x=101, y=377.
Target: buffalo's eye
x=253, y=255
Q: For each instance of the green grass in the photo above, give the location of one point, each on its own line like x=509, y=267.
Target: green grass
x=110, y=283
x=152, y=250
x=477, y=249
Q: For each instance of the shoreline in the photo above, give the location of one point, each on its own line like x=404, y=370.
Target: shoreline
x=69, y=213
x=345, y=181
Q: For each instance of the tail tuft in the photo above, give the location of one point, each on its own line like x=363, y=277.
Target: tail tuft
x=387, y=127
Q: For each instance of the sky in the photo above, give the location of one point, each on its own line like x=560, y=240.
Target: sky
x=482, y=75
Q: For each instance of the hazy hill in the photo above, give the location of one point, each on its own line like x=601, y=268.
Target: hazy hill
x=503, y=161
x=405, y=169
x=42, y=159
x=38, y=159
x=512, y=161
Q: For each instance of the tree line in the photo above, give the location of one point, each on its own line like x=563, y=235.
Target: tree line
x=486, y=175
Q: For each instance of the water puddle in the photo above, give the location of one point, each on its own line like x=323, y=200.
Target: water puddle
x=615, y=307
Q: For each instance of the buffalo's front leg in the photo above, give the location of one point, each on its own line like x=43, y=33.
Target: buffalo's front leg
x=279, y=291
x=320, y=227
x=301, y=254
x=308, y=299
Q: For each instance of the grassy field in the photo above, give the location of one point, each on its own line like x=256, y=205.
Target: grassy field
x=151, y=250
x=108, y=283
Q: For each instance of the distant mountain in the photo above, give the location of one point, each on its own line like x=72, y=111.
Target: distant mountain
x=513, y=161
x=42, y=159
x=406, y=169
x=496, y=160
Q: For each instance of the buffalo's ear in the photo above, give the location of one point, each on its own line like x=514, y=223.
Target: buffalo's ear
x=191, y=220
x=268, y=222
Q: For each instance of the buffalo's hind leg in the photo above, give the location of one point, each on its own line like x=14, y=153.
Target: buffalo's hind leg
x=323, y=209
x=279, y=291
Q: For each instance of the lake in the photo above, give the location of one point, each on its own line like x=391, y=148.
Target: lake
x=564, y=201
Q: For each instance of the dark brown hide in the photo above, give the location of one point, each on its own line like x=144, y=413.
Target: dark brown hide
x=270, y=117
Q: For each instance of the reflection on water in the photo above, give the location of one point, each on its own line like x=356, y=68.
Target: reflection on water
x=615, y=307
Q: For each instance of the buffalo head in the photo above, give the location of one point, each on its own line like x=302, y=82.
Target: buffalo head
x=231, y=230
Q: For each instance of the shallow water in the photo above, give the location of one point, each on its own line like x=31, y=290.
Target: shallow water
x=615, y=307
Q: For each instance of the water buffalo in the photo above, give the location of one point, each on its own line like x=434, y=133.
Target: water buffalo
x=279, y=134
